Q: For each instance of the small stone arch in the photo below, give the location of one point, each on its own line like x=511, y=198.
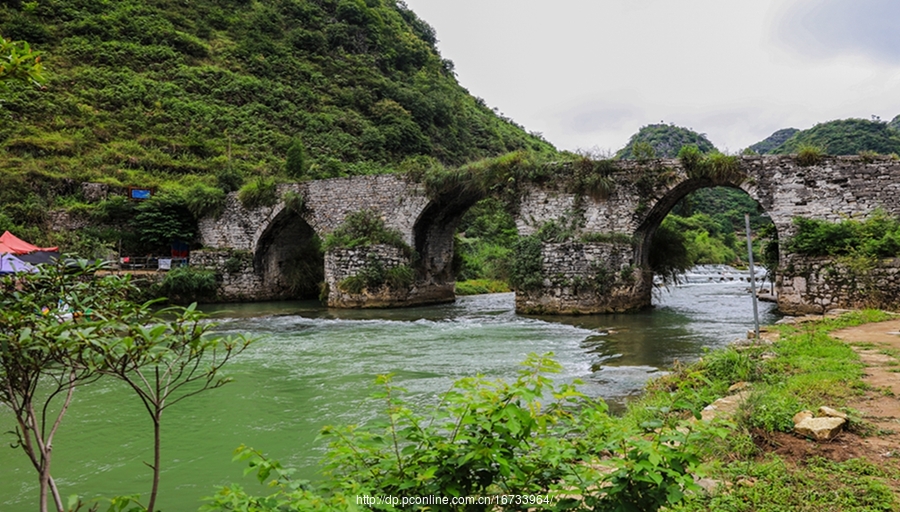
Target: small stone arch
x=650, y=221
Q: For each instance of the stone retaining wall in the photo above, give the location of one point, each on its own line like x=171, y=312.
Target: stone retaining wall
x=818, y=284
x=235, y=277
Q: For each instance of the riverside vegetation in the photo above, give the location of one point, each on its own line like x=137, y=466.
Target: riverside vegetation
x=530, y=436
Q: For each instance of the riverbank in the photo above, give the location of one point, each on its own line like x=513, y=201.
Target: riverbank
x=848, y=363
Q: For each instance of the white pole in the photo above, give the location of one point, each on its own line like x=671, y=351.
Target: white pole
x=752, y=276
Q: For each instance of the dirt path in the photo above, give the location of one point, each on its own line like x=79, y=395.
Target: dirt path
x=878, y=346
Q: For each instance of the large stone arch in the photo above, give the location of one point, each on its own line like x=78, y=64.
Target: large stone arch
x=643, y=235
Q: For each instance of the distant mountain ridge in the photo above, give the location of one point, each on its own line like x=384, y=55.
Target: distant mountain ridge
x=666, y=140
x=838, y=137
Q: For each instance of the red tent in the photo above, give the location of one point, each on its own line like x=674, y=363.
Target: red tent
x=10, y=243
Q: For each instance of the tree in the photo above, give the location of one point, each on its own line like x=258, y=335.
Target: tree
x=164, y=356
x=61, y=327
x=295, y=165
x=44, y=319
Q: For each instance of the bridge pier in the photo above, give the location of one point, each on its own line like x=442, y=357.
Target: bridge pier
x=586, y=278
x=379, y=276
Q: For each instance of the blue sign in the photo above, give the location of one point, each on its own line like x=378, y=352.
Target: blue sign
x=141, y=193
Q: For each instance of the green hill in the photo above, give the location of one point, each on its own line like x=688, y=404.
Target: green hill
x=771, y=142
x=895, y=123
x=665, y=139
x=845, y=137
x=163, y=85
x=209, y=94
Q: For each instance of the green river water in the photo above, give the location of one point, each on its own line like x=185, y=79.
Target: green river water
x=314, y=366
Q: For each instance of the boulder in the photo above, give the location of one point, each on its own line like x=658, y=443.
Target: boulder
x=820, y=429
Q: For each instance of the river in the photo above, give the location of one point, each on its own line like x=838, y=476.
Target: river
x=313, y=367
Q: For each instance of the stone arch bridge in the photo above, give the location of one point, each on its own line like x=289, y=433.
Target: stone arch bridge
x=606, y=269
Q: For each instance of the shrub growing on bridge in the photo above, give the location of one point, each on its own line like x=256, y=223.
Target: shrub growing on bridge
x=363, y=229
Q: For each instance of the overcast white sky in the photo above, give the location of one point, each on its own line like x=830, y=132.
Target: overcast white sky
x=589, y=73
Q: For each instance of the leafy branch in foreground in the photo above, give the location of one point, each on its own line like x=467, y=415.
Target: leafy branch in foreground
x=19, y=62
x=45, y=318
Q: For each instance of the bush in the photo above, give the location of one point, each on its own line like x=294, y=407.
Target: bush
x=374, y=276
x=230, y=179
x=526, y=272
x=878, y=236
x=808, y=154
x=161, y=220
x=294, y=202
x=529, y=438
x=295, y=163
x=363, y=229
x=187, y=284
x=258, y=193
x=204, y=201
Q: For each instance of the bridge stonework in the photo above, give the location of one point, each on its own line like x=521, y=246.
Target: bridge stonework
x=605, y=269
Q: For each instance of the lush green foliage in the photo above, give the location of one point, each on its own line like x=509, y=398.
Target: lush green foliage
x=895, y=123
x=669, y=255
x=19, y=62
x=713, y=166
x=162, y=220
x=844, y=137
x=527, y=265
x=725, y=205
x=665, y=140
x=877, y=236
x=374, y=276
x=493, y=439
x=184, y=285
x=295, y=162
x=261, y=191
x=809, y=154
x=144, y=92
x=484, y=246
x=855, y=485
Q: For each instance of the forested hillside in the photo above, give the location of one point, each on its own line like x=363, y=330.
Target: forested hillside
x=196, y=99
x=895, y=123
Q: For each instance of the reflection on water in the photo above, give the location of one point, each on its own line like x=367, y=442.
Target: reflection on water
x=313, y=366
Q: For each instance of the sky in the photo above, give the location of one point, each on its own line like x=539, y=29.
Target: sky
x=588, y=74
